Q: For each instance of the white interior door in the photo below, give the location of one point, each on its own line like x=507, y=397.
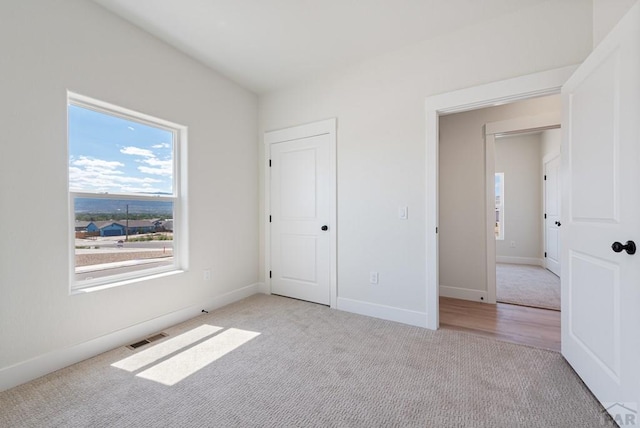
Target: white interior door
x=552, y=215
x=302, y=192
x=601, y=205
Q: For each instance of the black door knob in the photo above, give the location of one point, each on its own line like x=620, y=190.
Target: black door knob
x=558, y=224
x=630, y=247
x=325, y=227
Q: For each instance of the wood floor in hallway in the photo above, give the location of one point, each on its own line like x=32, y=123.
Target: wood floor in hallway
x=511, y=323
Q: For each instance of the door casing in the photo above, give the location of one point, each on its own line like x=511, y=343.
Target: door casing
x=328, y=127
x=489, y=95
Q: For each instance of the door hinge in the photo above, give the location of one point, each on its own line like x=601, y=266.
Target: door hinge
x=269, y=163
x=269, y=274
x=545, y=254
x=270, y=219
x=545, y=215
x=545, y=177
x=436, y=230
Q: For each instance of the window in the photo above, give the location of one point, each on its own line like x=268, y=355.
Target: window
x=499, y=229
x=124, y=189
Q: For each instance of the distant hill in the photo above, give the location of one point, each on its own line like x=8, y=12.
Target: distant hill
x=118, y=207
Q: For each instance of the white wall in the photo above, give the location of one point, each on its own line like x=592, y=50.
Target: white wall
x=381, y=135
x=606, y=14
x=519, y=158
x=551, y=140
x=48, y=47
x=462, y=222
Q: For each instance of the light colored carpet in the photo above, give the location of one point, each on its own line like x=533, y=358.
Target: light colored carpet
x=528, y=286
x=313, y=366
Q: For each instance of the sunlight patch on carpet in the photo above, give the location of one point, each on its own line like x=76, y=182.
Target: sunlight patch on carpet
x=165, y=348
x=188, y=362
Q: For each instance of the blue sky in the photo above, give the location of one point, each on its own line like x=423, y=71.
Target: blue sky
x=114, y=155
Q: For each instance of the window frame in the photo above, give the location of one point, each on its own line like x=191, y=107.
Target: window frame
x=178, y=198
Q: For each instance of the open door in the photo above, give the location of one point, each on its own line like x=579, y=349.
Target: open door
x=601, y=193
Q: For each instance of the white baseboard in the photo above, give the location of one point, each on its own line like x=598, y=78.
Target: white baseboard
x=520, y=260
x=41, y=365
x=389, y=313
x=234, y=296
x=463, y=293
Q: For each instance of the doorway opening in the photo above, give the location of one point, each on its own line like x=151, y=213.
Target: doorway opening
x=492, y=94
x=491, y=204
x=527, y=152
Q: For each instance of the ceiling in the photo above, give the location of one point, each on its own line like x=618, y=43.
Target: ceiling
x=267, y=44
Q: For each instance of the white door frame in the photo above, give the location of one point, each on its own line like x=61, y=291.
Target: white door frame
x=492, y=94
x=492, y=130
x=324, y=127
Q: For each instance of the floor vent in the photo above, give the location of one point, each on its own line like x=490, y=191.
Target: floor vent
x=157, y=337
x=147, y=340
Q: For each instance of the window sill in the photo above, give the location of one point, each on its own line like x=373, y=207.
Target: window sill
x=100, y=287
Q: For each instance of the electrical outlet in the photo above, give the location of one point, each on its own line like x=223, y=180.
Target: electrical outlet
x=207, y=275
x=373, y=277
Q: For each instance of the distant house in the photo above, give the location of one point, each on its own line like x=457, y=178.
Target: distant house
x=119, y=228
x=141, y=226
x=81, y=226
x=86, y=226
x=163, y=225
x=111, y=228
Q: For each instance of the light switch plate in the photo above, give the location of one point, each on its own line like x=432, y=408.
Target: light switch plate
x=403, y=213
x=373, y=278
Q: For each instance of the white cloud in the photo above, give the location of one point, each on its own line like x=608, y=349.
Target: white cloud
x=93, y=174
x=155, y=171
x=136, y=180
x=157, y=167
x=161, y=146
x=137, y=151
x=97, y=175
x=96, y=163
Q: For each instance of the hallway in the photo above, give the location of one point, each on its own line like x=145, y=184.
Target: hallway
x=518, y=324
